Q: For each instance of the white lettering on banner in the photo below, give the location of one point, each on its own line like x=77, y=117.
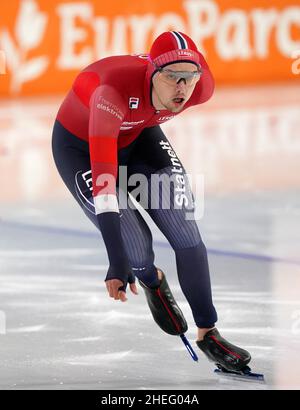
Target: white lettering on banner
x=236, y=34
x=237, y=44
x=168, y=21
x=296, y=63
x=202, y=20
x=71, y=35
x=118, y=43
x=206, y=21
x=141, y=27
x=290, y=17
x=264, y=22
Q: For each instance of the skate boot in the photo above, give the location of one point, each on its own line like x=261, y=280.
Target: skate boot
x=231, y=361
x=164, y=308
x=224, y=354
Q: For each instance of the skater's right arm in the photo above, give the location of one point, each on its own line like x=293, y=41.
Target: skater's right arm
x=107, y=110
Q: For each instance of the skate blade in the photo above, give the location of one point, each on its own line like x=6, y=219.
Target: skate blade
x=242, y=375
x=189, y=348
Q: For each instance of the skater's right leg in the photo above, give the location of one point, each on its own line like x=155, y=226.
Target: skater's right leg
x=72, y=159
x=138, y=244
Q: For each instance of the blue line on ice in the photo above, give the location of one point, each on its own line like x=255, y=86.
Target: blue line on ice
x=86, y=234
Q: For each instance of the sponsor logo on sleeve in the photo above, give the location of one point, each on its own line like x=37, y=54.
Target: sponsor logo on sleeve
x=109, y=107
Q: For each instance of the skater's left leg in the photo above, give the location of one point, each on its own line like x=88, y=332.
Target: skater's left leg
x=153, y=155
x=191, y=261
x=184, y=237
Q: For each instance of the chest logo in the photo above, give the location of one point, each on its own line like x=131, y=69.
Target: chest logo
x=133, y=103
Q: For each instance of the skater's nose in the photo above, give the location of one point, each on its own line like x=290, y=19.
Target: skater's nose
x=181, y=86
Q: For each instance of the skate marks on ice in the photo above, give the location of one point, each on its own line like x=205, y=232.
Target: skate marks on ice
x=54, y=293
x=51, y=357
x=73, y=338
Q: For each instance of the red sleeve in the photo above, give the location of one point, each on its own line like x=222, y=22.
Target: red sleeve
x=107, y=110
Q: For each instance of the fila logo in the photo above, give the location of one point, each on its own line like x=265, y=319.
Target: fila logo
x=133, y=103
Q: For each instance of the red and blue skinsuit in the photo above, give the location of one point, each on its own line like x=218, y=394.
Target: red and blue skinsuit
x=107, y=120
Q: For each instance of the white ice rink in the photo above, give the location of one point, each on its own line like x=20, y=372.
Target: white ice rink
x=58, y=327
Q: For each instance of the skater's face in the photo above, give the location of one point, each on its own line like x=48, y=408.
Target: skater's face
x=173, y=85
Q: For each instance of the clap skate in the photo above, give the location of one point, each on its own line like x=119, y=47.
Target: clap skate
x=231, y=361
x=166, y=312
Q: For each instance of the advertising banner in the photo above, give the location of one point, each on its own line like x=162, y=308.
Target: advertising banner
x=43, y=45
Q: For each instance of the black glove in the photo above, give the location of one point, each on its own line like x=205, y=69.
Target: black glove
x=124, y=275
x=119, y=267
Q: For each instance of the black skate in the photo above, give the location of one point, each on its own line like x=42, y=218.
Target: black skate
x=230, y=360
x=167, y=313
x=164, y=308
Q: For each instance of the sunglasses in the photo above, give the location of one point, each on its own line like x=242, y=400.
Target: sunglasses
x=174, y=77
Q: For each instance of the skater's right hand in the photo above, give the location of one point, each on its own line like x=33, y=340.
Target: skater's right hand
x=116, y=283
x=115, y=288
